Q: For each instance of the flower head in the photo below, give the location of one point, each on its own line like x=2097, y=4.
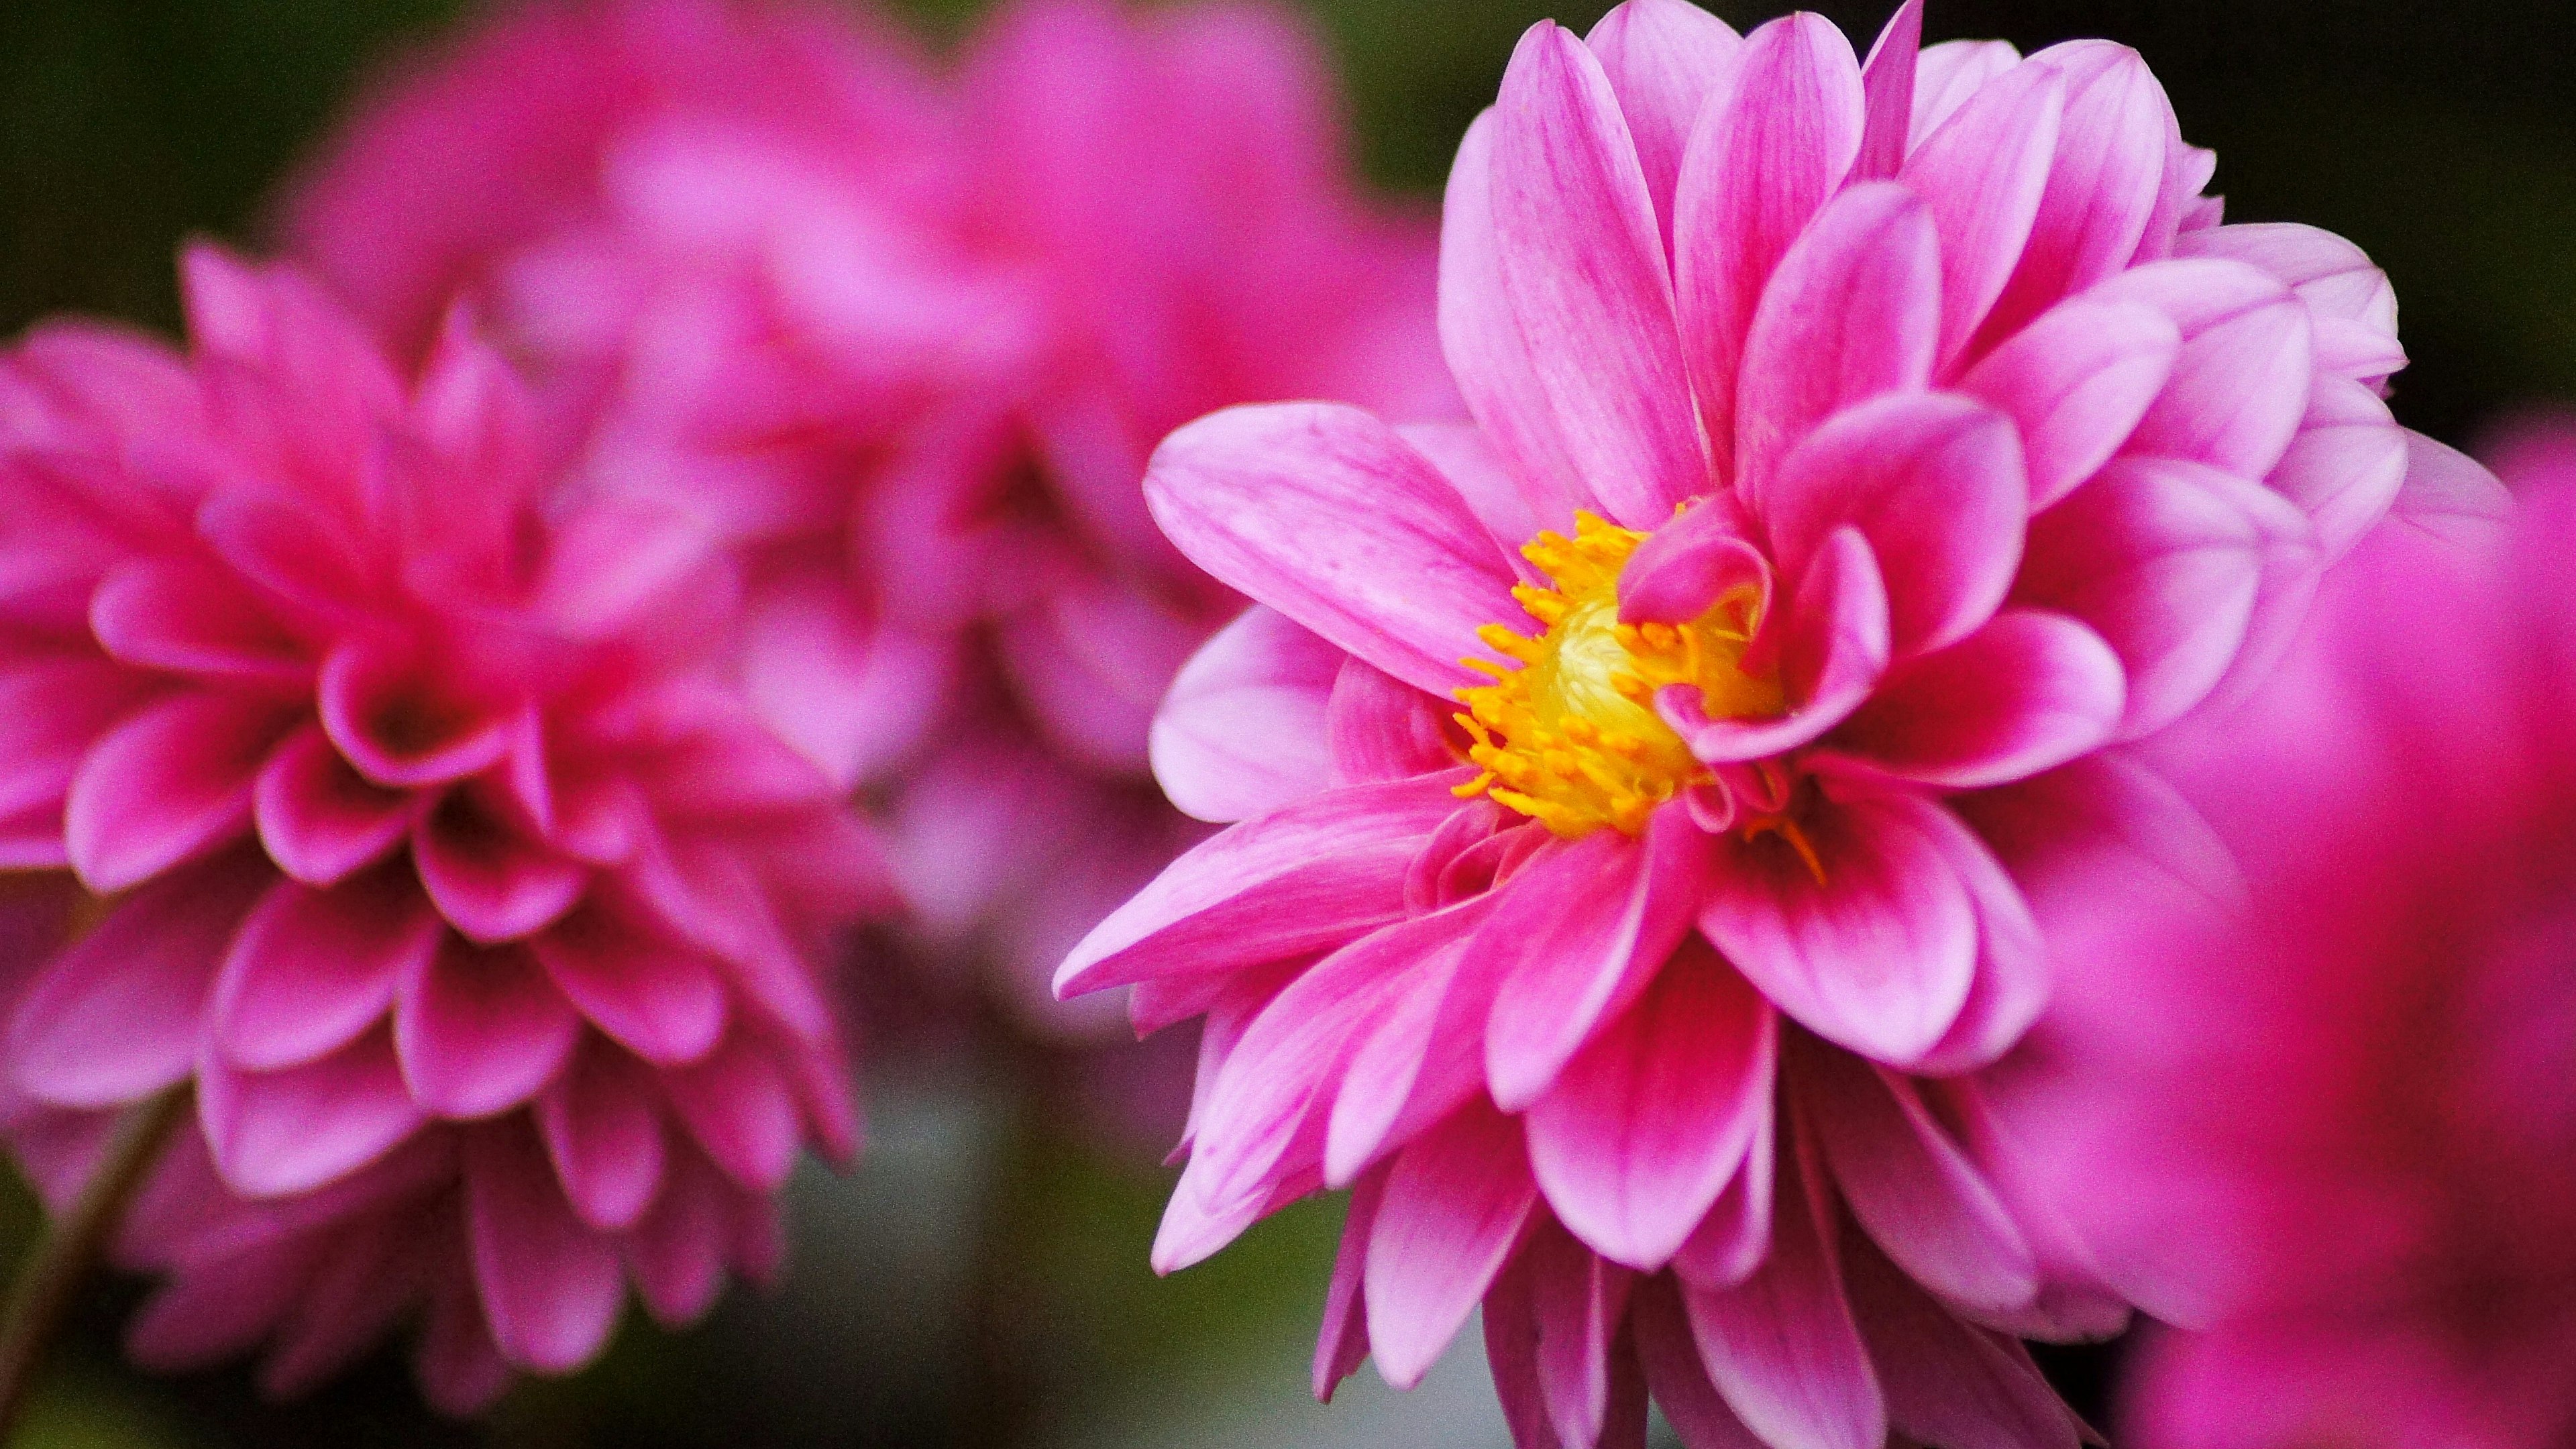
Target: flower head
x=1629, y=882
x=2324, y=1134
x=445, y=856
x=906, y=339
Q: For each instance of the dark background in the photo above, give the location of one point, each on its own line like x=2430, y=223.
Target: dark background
x=981, y=1280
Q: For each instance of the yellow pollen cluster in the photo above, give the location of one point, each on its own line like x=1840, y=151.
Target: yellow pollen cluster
x=1570, y=737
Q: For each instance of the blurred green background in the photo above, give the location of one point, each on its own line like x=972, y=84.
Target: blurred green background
x=981, y=1281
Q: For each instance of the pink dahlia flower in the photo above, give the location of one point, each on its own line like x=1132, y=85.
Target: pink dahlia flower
x=1636, y=787
x=2333, y=1134
x=480, y=912
x=908, y=341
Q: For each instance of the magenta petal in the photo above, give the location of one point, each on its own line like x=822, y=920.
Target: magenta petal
x=462, y=1372
x=1325, y=514
x=1949, y=1382
x=1911, y=1186
x=311, y=970
x=1983, y=173
x=170, y=783
x=2028, y=692
x=1580, y=934
x=1511, y=1356
x=1423, y=1058
x=1765, y=155
x=1343, y=1342
x=2076, y=381
x=1453, y=1209
x=1682, y=569
x=1834, y=648
x=490, y=875
x=2013, y=974
x=1878, y=954
x=2354, y=307
x=2104, y=181
x=550, y=1285
x=1646, y=1126
x=2242, y=382
x=2347, y=465
x=1383, y=729
x=1946, y=75
x=1488, y=353
x=1782, y=1346
x=320, y=820
x=677, y=1253
x=1887, y=83
x=1676, y=1377
x=1242, y=731
x=1582, y=260
x=2163, y=560
x=1578, y=1303
x=1735, y=1237
x=1313, y=875
x=480, y=1030
x=2449, y=494
x=662, y=1001
x=120, y=1014
x=193, y=619
x=742, y=1110
x=1852, y=312
x=290, y=1131
x=1664, y=58
x=1935, y=483
x=604, y=1136
x=390, y=716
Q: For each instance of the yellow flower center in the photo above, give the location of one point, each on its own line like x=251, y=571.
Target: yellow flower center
x=1570, y=738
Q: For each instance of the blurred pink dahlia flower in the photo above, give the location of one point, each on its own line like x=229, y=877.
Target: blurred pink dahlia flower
x=908, y=340
x=2333, y=1134
x=1863, y=457
x=481, y=913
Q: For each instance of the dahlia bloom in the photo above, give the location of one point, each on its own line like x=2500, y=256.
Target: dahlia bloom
x=479, y=911
x=907, y=340
x=2333, y=1135
x=1863, y=459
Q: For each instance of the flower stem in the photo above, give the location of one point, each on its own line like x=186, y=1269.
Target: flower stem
x=53, y=1273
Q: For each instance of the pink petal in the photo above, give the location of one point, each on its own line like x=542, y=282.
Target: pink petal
x=1324, y=514
x=1887, y=83
x=550, y=1286
x=1579, y=935
x=1948, y=74
x=1242, y=731
x=284, y=1132
x=2345, y=468
x=1649, y=1123
x=1343, y=1343
x=2161, y=559
x=1782, y=1347
x=661, y=1000
x=1453, y=1209
x=1852, y=312
x=394, y=720
x=1736, y=1235
x=855, y=695
x=194, y=619
x=1489, y=354
x=1664, y=58
x=356, y=1295
x=1582, y=261
x=1313, y=875
x=1766, y=153
x=1878, y=955
x=1948, y=1382
x=1911, y=1186
x=2449, y=494
x=2104, y=181
x=1511, y=1355
x=1467, y=456
x=1422, y=1060
x=2241, y=384
x=1092, y=660
x=320, y=820
x=1578, y=1303
x=2012, y=960
x=2351, y=300
x=169, y=784
x=461, y=1370
x=1682, y=569
x=490, y=875
x=1934, y=481
x=1833, y=650
x=2076, y=381
x=312, y=970
x=1983, y=173
x=219, y=1308
x=2028, y=692
x=604, y=1136
x=1383, y=729
x=742, y=1110
x=119, y=1014
x=677, y=1252
x=480, y=1030
x=1674, y=1374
